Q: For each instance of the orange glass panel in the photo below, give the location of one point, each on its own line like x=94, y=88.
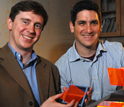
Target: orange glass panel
x=116, y=76
x=73, y=93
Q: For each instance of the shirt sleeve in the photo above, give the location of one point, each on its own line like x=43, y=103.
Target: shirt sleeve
x=63, y=67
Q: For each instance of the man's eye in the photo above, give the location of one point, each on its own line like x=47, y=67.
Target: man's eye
x=38, y=26
x=25, y=22
x=94, y=22
x=82, y=23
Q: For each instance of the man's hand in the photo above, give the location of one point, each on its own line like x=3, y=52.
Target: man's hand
x=51, y=102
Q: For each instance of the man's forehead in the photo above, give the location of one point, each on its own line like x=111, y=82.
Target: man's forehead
x=29, y=15
x=87, y=15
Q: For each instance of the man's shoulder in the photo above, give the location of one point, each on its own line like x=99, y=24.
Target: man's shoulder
x=44, y=60
x=114, y=48
x=46, y=64
x=5, y=51
x=112, y=45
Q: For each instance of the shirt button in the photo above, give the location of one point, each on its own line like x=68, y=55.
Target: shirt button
x=30, y=103
x=94, y=78
x=82, y=60
x=97, y=92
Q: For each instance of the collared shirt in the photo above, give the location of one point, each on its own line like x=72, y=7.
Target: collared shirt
x=29, y=71
x=77, y=70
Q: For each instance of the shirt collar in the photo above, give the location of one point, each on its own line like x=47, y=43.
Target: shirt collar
x=18, y=55
x=100, y=47
x=74, y=56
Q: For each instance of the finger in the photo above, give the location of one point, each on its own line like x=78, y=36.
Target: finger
x=76, y=104
x=64, y=89
x=86, y=102
x=90, y=89
x=122, y=68
x=56, y=96
x=71, y=104
x=89, y=94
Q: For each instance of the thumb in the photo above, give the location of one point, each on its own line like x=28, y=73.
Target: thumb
x=122, y=68
x=73, y=103
x=57, y=96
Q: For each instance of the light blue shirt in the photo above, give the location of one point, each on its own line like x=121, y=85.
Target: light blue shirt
x=81, y=71
x=29, y=71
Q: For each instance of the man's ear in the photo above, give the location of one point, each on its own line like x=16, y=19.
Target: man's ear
x=9, y=23
x=71, y=27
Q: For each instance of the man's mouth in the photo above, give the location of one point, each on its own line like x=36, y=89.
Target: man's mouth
x=26, y=37
x=87, y=36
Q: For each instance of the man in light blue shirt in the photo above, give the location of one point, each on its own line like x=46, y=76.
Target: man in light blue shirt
x=86, y=62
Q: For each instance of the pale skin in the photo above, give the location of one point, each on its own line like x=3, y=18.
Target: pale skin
x=25, y=31
x=86, y=30
x=52, y=103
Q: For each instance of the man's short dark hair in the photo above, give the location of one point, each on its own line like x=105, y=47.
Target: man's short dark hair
x=84, y=5
x=28, y=5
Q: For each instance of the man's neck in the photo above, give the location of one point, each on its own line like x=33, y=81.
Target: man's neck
x=26, y=54
x=86, y=52
x=26, y=57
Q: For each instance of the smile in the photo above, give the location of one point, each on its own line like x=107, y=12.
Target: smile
x=26, y=37
x=87, y=36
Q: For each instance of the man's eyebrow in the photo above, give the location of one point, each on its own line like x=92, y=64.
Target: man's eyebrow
x=80, y=21
x=25, y=19
x=38, y=23
x=30, y=20
x=94, y=20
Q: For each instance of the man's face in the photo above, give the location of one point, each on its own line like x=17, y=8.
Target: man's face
x=87, y=29
x=25, y=30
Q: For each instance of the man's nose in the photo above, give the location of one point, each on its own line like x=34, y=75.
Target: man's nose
x=31, y=28
x=89, y=28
